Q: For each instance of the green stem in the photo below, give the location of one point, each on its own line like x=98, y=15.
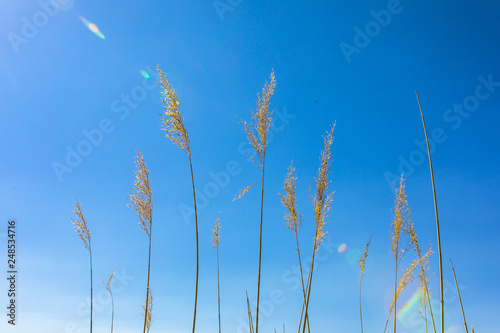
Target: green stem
x=260, y=243
x=197, y=248
x=303, y=288
x=437, y=219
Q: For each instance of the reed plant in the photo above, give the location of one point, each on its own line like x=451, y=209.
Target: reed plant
x=107, y=285
x=148, y=310
x=80, y=226
x=361, y=262
x=140, y=201
x=437, y=218
x=172, y=123
x=322, y=200
x=293, y=221
x=257, y=131
x=215, y=244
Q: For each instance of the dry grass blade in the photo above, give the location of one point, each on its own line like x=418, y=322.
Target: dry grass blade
x=140, y=200
x=215, y=243
x=172, y=121
x=459, y=297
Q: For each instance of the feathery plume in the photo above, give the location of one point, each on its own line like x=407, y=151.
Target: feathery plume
x=140, y=200
x=80, y=225
x=292, y=218
x=172, y=120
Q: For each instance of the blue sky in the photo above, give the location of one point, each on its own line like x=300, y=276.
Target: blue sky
x=356, y=64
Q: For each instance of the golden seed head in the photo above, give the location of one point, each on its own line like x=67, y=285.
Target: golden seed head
x=140, y=200
x=242, y=192
x=172, y=121
x=107, y=285
x=215, y=231
x=258, y=129
x=401, y=219
x=362, y=258
x=322, y=199
x=292, y=218
x=80, y=225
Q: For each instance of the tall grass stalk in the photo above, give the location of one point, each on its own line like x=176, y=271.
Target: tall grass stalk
x=250, y=320
x=294, y=223
x=257, y=131
x=437, y=218
x=172, y=123
x=107, y=285
x=80, y=226
x=321, y=203
x=361, y=262
x=148, y=310
x=141, y=202
x=215, y=244
x=459, y=298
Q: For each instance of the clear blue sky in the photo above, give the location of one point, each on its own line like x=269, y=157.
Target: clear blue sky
x=354, y=63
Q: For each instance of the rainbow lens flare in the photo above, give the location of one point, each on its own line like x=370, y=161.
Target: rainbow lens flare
x=145, y=74
x=342, y=248
x=92, y=27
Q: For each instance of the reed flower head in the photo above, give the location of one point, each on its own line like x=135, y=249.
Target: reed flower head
x=172, y=121
x=80, y=225
x=292, y=218
x=215, y=232
x=242, y=192
x=148, y=308
x=322, y=199
x=400, y=221
x=107, y=285
x=258, y=129
x=140, y=200
x=362, y=258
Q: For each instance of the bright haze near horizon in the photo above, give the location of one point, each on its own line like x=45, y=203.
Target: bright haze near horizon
x=78, y=97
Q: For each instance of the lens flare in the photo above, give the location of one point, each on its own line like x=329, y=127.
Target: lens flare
x=92, y=27
x=342, y=248
x=145, y=74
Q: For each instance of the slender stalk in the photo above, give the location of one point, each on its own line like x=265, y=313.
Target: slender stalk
x=147, y=286
x=260, y=242
x=437, y=219
x=309, y=283
x=250, y=320
x=395, y=285
x=303, y=288
x=91, y=289
x=218, y=288
x=459, y=298
x=430, y=309
x=197, y=248
x=360, y=313
x=112, y=312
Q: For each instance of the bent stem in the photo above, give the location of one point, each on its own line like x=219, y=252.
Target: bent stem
x=197, y=247
x=437, y=219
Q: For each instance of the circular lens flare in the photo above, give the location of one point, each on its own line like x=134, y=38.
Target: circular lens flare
x=145, y=74
x=342, y=248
